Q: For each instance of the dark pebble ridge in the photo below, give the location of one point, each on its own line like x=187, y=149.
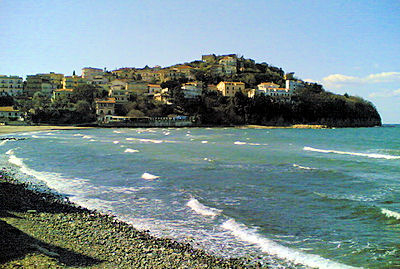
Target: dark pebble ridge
x=45, y=230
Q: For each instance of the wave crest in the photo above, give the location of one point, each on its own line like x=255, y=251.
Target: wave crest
x=369, y=155
x=242, y=232
x=390, y=214
x=201, y=209
x=149, y=176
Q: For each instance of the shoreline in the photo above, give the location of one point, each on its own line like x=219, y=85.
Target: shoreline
x=43, y=229
x=10, y=129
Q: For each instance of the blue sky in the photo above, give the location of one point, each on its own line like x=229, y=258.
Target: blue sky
x=348, y=46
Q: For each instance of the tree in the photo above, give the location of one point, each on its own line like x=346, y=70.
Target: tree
x=84, y=92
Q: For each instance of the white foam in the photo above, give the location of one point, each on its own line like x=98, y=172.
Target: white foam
x=390, y=214
x=208, y=159
x=303, y=167
x=117, y=132
x=155, y=141
x=201, y=209
x=269, y=246
x=369, y=155
x=53, y=180
x=204, y=142
x=78, y=135
x=92, y=140
x=151, y=141
x=131, y=150
x=3, y=142
x=116, y=142
x=239, y=143
x=87, y=137
x=167, y=133
x=149, y=176
x=255, y=144
x=35, y=136
x=76, y=188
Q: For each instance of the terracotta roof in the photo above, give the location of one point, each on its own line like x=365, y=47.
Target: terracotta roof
x=8, y=109
x=226, y=57
x=235, y=82
x=184, y=67
x=268, y=83
x=109, y=100
x=64, y=90
x=154, y=85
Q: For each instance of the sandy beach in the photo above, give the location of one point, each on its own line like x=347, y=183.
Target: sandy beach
x=8, y=129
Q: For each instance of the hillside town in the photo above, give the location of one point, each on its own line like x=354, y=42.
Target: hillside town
x=121, y=83
x=113, y=93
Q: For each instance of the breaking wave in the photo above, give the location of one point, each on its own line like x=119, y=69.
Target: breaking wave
x=369, y=155
x=201, y=209
x=149, y=176
x=303, y=167
x=131, y=150
x=390, y=214
x=245, y=234
x=3, y=142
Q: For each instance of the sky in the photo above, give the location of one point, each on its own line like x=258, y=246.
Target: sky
x=348, y=46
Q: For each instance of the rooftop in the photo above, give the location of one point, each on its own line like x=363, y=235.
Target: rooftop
x=8, y=109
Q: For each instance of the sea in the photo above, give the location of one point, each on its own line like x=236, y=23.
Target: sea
x=288, y=198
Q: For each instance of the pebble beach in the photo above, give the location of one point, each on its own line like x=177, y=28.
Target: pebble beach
x=45, y=230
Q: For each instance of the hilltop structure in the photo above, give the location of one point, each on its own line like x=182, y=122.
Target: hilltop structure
x=218, y=89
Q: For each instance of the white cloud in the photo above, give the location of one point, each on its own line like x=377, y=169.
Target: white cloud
x=385, y=94
x=312, y=81
x=383, y=77
x=337, y=81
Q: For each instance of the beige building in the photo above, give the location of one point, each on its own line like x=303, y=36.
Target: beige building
x=162, y=96
x=153, y=89
x=119, y=91
x=72, y=82
x=229, y=64
x=148, y=74
x=90, y=73
x=125, y=73
x=229, y=89
x=104, y=108
x=185, y=71
x=59, y=93
x=9, y=113
x=192, y=89
x=267, y=85
x=11, y=85
x=45, y=83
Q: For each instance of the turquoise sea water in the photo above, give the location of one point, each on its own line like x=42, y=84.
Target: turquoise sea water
x=289, y=197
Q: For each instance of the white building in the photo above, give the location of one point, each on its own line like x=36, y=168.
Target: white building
x=294, y=84
x=11, y=85
x=9, y=113
x=272, y=90
x=192, y=89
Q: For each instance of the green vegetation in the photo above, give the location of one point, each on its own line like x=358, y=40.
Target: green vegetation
x=310, y=104
x=306, y=107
